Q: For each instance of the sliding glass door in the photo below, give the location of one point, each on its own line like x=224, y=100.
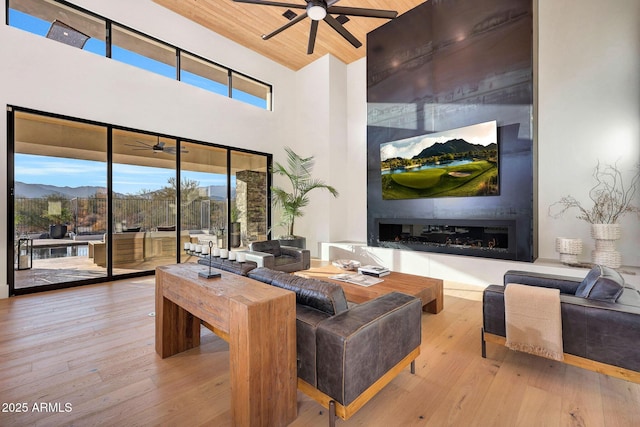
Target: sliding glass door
x=144, y=201
x=60, y=200
x=91, y=202
x=203, y=196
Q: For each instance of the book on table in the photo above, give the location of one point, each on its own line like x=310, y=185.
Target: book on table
x=374, y=270
x=356, y=279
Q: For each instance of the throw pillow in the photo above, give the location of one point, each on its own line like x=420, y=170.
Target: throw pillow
x=601, y=283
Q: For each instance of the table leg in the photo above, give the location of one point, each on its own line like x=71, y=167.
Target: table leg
x=436, y=305
x=263, y=369
x=177, y=330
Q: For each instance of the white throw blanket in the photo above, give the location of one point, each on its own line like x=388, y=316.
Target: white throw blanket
x=533, y=320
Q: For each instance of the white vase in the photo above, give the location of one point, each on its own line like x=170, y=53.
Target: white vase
x=605, y=252
x=569, y=249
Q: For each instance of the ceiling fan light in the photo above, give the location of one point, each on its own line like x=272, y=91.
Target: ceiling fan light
x=317, y=10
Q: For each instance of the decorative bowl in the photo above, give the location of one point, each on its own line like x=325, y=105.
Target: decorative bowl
x=346, y=264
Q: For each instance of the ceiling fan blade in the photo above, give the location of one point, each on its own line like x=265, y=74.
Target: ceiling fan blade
x=312, y=37
x=357, y=11
x=141, y=143
x=342, y=31
x=285, y=26
x=273, y=3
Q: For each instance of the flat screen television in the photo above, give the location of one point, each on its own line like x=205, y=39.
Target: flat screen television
x=460, y=162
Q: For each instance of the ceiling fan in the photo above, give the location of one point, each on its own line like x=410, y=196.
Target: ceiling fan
x=158, y=147
x=321, y=10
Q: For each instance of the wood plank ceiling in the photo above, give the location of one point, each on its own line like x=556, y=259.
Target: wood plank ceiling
x=246, y=23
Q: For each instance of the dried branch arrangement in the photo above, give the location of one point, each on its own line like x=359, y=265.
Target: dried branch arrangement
x=611, y=197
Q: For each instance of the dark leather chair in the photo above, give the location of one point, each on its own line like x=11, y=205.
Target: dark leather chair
x=271, y=255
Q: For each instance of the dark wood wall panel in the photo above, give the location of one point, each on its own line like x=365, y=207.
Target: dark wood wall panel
x=448, y=64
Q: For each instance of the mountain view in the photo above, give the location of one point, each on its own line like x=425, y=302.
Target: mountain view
x=454, y=146
x=37, y=191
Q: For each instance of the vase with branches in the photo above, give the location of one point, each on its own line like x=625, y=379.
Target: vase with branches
x=612, y=199
x=292, y=202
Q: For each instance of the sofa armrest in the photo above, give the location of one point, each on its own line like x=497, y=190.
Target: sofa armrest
x=566, y=284
x=301, y=255
x=493, y=310
x=262, y=259
x=357, y=347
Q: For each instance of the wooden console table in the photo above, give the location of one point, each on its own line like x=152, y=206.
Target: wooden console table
x=428, y=289
x=258, y=321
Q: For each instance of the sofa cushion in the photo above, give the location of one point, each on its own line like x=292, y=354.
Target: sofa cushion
x=324, y=296
x=264, y=275
x=601, y=283
x=240, y=268
x=269, y=246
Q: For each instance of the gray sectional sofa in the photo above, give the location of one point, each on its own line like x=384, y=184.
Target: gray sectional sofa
x=600, y=318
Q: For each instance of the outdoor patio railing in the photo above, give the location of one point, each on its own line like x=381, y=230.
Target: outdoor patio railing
x=89, y=215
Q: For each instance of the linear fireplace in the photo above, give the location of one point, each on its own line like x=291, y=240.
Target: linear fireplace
x=486, y=238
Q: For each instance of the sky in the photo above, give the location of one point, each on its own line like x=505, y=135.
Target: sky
x=482, y=134
x=41, y=27
x=127, y=179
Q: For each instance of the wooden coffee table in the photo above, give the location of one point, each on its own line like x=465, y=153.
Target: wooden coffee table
x=429, y=290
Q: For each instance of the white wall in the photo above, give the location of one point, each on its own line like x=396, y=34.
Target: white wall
x=356, y=174
x=320, y=130
x=589, y=110
x=44, y=75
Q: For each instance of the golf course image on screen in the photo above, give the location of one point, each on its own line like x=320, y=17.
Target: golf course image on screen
x=459, y=162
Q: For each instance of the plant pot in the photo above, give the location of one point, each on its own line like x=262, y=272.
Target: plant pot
x=569, y=249
x=297, y=242
x=605, y=252
x=235, y=234
x=57, y=231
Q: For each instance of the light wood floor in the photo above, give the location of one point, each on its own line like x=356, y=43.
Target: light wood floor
x=93, y=348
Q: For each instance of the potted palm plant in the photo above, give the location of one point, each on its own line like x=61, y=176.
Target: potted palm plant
x=292, y=202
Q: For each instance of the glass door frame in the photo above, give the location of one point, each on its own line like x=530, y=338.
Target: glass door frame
x=10, y=247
